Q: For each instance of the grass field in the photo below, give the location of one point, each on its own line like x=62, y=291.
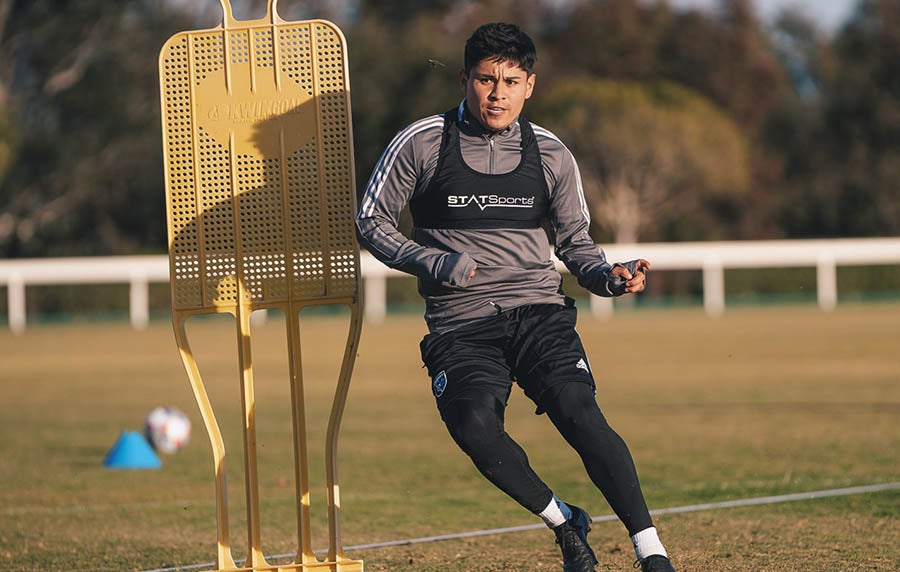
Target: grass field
x=757, y=402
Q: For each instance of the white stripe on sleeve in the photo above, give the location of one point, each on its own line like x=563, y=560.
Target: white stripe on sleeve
x=548, y=134
x=386, y=163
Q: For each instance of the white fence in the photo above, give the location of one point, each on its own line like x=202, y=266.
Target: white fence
x=710, y=257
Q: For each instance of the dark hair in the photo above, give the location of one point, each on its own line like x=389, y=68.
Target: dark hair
x=501, y=42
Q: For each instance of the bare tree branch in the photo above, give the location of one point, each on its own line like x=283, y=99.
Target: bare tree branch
x=5, y=8
x=63, y=79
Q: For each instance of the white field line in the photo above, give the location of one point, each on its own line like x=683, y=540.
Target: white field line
x=26, y=510
x=811, y=495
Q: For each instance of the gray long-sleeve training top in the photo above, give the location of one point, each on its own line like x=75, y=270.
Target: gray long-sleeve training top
x=514, y=267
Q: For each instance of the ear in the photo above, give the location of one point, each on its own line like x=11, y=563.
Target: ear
x=529, y=85
x=463, y=79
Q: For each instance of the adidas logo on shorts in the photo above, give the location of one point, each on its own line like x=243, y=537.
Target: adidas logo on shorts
x=582, y=365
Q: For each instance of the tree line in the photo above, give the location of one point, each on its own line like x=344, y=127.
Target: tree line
x=687, y=125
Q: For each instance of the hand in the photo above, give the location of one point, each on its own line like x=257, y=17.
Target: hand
x=633, y=282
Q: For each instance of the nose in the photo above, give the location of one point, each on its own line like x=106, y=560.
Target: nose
x=497, y=92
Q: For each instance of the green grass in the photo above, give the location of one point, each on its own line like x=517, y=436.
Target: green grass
x=757, y=402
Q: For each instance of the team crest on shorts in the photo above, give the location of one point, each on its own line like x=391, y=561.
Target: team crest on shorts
x=439, y=384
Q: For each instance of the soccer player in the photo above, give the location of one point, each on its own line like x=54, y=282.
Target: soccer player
x=482, y=184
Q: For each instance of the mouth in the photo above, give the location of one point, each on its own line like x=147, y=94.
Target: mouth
x=492, y=110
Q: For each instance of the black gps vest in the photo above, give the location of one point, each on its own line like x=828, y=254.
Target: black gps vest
x=461, y=197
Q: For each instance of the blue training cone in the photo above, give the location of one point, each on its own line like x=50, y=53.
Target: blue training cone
x=131, y=451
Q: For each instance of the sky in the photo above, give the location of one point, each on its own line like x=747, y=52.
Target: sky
x=828, y=14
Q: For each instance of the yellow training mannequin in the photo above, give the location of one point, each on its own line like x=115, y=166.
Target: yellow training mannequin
x=260, y=204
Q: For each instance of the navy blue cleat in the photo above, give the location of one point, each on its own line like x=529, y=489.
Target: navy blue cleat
x=655, y=563
x=572, y=539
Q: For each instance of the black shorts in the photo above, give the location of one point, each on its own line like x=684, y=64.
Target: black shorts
x=535, y=346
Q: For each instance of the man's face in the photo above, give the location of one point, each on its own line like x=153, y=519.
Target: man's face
x=496, y=92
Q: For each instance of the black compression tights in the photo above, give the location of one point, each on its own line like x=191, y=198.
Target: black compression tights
x=476, y=424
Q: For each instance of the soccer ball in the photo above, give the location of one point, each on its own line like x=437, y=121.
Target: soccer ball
x=167, y=429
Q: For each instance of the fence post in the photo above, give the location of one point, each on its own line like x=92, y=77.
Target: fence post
x=139, y=299
x=826, y=281
x=375, y=291
x=713, y=286
x=601, y=307
x=15, y=296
